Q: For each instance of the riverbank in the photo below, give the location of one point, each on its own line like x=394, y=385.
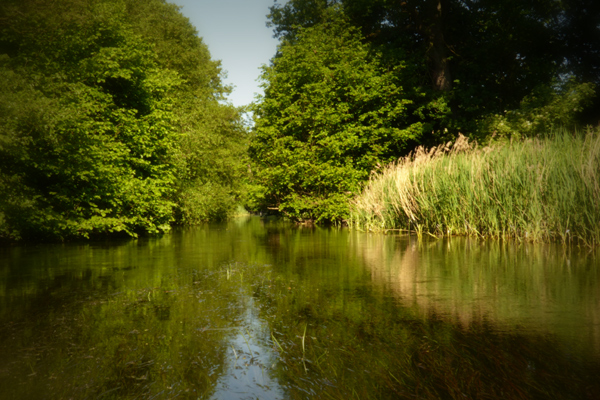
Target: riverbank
x=542, y=189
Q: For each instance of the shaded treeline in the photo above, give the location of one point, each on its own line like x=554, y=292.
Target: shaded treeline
x=115, y=120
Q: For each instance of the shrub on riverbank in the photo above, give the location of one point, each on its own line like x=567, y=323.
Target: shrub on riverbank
x=538, y=189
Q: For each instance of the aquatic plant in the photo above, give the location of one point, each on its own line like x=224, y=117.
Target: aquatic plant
x=539, y=189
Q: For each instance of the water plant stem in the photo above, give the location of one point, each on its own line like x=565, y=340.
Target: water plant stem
x=246, y=340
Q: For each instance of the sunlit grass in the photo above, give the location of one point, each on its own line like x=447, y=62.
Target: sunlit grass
x=542, y=189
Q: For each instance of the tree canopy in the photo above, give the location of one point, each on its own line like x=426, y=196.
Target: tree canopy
x=483, y=56
x=429, y=70
x=330, y=113
x=115, y=119
x=111, y=113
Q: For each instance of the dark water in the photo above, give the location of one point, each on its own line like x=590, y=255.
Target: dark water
x=263, y=309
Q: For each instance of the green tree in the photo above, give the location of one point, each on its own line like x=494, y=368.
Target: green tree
x=214, y=162
x=479, y=58
x=579, y=27
x=99, y=101
x=329, y=114
x=211, y=156
x=357, y=82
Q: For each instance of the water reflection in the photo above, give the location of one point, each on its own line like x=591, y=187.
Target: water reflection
x=262, y=309
x=517, y=287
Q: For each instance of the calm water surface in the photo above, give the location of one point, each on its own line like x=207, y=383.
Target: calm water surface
x=264, y=309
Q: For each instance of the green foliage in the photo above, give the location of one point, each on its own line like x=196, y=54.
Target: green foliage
x=211, y=156
x=100, y=100
x=87, y=149
x=429, y=70
x=213, y=161
x=541, y=111
x=330, y=113
x=490, y=56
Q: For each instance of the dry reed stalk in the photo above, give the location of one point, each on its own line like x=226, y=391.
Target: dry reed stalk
x=538, y=189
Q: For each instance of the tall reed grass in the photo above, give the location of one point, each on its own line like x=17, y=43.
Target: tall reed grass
x=540, y=189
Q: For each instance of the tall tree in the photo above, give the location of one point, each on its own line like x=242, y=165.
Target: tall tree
x=212, y=152
x=481, y=57
x=329, y=114
x=358, y=82
x=579, y=27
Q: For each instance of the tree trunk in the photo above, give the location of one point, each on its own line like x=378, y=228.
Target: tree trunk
x=438, y=51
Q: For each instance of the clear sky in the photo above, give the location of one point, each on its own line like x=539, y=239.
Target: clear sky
x=236, y=34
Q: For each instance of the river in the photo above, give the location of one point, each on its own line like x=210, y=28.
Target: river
x=261, y=308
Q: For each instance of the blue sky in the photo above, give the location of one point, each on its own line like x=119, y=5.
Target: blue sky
x=236, y=34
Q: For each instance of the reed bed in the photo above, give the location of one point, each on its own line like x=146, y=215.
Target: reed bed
x=540, y=189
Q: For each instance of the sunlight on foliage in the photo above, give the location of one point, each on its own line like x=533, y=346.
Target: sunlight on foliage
x=330, y=113
x=108, y=106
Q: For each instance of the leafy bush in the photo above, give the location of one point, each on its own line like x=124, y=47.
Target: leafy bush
x=545, y=109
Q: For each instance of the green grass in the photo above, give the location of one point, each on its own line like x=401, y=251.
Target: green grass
x=542, y=189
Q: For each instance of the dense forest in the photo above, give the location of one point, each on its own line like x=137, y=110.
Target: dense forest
x=112, y=121
x=359, y=83
x=115, y=118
